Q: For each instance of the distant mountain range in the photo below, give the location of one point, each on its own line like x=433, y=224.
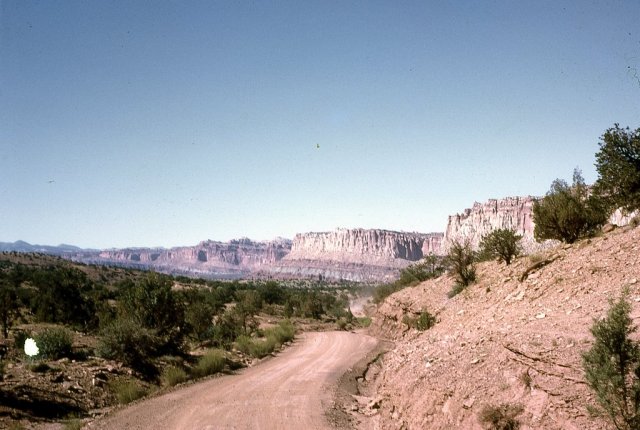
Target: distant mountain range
x=22, y=246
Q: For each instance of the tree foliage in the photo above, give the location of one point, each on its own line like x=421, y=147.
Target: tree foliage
x=568, y=212
x=618, y=165
x=9, y=306
x=461, y=262
x=153, y=305
x=502, y=244
x=612, y=366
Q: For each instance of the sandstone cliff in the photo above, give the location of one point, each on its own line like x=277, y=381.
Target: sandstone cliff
x=209, y=258
x=356, y=254
x=350, y=254
x=515, y=213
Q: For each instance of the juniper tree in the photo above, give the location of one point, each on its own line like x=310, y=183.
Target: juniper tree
x=618, y=165
x=568, y=212
x=502, y=244
x=612, y=366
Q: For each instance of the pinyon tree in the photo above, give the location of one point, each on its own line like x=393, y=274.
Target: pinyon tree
x=612, y=366
x=618, y=164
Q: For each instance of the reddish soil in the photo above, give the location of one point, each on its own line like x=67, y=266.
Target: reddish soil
x=511, y=338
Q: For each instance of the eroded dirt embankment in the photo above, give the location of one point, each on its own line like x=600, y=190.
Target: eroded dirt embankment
x=290, y=391
x=508, y=339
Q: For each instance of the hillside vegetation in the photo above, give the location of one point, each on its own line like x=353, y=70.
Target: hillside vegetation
x=507, y=351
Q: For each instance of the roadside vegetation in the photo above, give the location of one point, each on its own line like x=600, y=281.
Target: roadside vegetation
x=166, y=330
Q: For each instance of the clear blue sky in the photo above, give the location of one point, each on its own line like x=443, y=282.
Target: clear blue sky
x=128, y=123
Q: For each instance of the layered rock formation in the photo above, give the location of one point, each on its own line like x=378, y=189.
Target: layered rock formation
x=236, y=258
x=355, y=255
x=514, y=213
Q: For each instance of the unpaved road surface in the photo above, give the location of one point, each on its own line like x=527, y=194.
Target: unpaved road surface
x=291, y=391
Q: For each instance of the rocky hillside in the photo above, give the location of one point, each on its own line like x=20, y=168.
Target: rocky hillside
x=515, y=337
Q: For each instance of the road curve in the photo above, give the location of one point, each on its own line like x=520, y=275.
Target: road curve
x=291, y=391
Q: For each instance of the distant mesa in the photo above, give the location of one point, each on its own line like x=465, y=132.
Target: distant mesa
x=361, y=255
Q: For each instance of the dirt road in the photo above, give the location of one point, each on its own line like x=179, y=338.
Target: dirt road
x=291, y=391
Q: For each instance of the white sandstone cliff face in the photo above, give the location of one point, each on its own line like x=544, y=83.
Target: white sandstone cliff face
x=355, y=254
x=364, y=246
x=514, y=213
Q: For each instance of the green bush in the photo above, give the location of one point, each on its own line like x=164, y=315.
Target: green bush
x=618, y=165
x=212, y=362
x=126, y=391
x=612, y=366
x=73, y=424
x=425, y=321
x=283, y=332
x=568, y=213
x=19, y=338
x=502, y=417
x=173, y=375
x=54, y=343
x=383, y=291
x=364, y=321
x=260, y=348
x=501, y=244
x=124, y=340
x=461, y=263
x=274, y=337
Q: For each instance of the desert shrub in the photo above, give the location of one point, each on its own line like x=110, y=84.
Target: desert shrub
x=461, y=263
x=341, y=324
x=19, y=337
x=618, y=165
x=383, y=291
x=501, y=244
x=283, y=332
x=212, y=362
x=9, y=306
x=39, y=367
x=428, y=268
x=612, y=366
x=502, y=417
x=173, y=375
x=153, y=305
x=425, y=321
x=126, y=391
x=2, y=366
x=364, y=321
x=260, y=348
x=124, y=340
x=568, y=213
x=54, y=343
x=73, y=424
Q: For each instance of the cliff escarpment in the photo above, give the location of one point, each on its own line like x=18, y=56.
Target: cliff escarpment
x=349, y=254
x=513, y=213
x=236, y=258
x=356, y=254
